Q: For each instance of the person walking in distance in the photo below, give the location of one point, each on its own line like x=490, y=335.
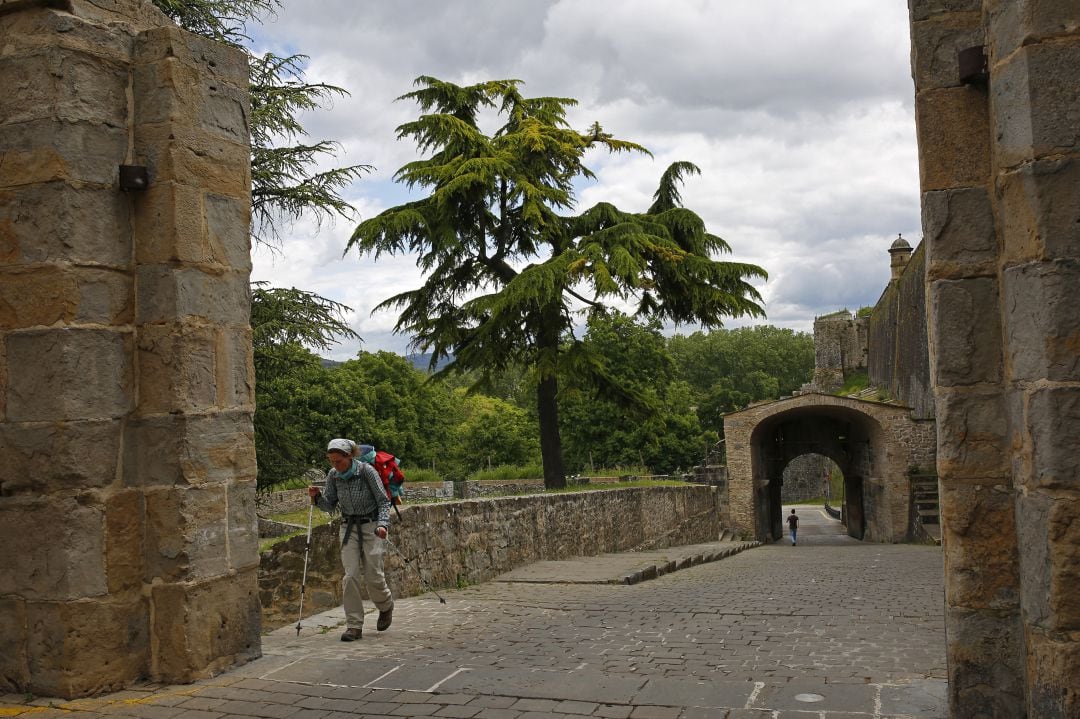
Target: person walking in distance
x=354, y=488
x=793, y=525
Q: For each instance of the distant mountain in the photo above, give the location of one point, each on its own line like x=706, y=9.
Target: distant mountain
x=421, y=361
x=328, y=363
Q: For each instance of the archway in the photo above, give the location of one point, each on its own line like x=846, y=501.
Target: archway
x=873, y=444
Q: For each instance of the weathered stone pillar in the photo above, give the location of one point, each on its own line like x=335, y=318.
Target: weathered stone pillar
x=999, y=158
x=127, y=468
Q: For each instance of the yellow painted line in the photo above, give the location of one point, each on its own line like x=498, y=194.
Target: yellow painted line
x=18, y=711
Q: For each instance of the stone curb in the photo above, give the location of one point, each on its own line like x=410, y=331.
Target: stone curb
x=658, y=570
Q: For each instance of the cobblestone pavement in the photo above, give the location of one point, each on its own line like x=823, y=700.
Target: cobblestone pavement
x=830, y=629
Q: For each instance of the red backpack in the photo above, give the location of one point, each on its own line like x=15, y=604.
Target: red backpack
x=392, y=476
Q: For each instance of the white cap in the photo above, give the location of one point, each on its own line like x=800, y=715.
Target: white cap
x=340, y=445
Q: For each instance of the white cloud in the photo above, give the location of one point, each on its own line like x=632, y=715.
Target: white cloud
x=799, y=115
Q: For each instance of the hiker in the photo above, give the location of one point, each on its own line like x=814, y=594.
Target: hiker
x=354, y=488
x=793, y=524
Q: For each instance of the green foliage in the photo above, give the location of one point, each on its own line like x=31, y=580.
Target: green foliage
x=728, y=369
x=504, y=271
x=222, y=20
x=855, y=382
x=864, y=311
x=284, y=322
x=634, y=411
x=493, y=432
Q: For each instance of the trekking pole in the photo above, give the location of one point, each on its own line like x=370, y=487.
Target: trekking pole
x=409, y=563
x=303, y=581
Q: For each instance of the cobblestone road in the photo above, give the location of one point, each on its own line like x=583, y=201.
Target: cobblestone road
x=832, y=628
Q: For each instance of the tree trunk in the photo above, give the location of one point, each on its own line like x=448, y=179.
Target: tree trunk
x=550, y=442
x=547, y=400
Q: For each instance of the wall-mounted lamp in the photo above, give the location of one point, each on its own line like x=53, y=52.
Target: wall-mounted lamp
x=972, y=66
x=134, y=178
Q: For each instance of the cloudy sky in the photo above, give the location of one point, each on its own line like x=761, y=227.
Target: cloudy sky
x=799, y=114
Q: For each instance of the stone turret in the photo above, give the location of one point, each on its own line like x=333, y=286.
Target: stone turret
x=899, y=254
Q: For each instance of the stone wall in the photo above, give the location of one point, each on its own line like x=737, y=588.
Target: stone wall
x=898, y=357
x=127, y=467
x=840, y=341
x=999, y=158
x=471, y=541
x=806, y=477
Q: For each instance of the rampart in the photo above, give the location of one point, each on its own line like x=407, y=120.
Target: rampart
x=898, y=356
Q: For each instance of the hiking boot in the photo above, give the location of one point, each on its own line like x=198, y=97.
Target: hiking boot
x=352, y=634
x=385, y=619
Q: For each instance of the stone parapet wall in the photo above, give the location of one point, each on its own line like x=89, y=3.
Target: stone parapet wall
x=471, y=541
x=125, y=352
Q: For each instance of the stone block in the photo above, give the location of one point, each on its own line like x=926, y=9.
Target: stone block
x=30, y=452
x=925, y=9
x=186, y=533
x=978, y=529
x=54, y=549
x=1039, y=211
x=14, y=667
x=49, y=150
x=193, y=450
x=966, y=331
x=228, y=229
x=169, y=224
x=60, y=83
x=194, y=157
x=105, y=297
x=1049, y=540
x=973, y=435
x=1013, y=25
x=177, y=368
x=1053, y=421
x=986, y=666
x=81, y=648
x=953, y=128
x=243, y=531
x=124, y=530
x=33, y=29
x=1053, y=665
x=1042, y=325
x=217, y=62
x=201, y=628
x=56, y=222
x=936, y=44
x=959, y=232
x=235, y=370
x=1036, y=102
x=35, y=297
x=170, y=294
x=68, y=374
x=3, y=377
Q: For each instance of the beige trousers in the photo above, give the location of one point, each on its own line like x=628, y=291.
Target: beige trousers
x=362, y=559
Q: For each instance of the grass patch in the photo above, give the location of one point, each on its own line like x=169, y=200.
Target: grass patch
x=506, y=472
x=855, y=383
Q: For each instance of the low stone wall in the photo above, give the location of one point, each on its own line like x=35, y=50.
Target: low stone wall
x=293, y=500
x=472, y=541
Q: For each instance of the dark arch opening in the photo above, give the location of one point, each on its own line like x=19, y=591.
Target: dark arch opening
x=847, y=437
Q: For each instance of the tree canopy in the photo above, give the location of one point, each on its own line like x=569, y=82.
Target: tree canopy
x=508, y=268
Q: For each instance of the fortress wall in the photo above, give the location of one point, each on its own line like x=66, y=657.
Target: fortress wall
x=127, y=467
x=999, y=156
x=898, y=357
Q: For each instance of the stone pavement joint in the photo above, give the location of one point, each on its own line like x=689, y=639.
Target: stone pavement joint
x=624, y=567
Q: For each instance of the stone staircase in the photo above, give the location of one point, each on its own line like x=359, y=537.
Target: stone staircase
x=924, y=498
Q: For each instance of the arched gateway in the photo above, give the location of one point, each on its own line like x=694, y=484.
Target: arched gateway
x=877, y=446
